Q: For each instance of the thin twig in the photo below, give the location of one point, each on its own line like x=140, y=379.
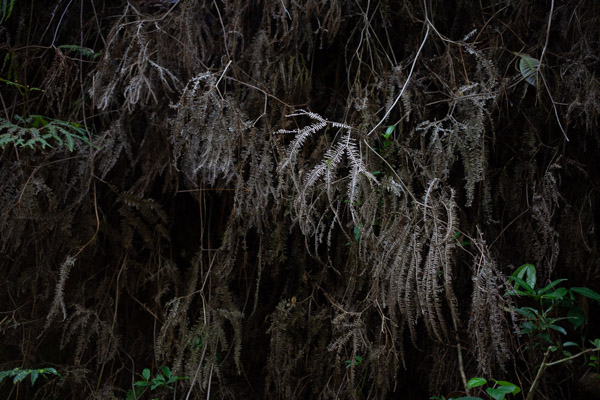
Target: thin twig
x=544, y=365
x=196, y=374
x=536, y=381
x=547, y=31
x=224, y=31
x=461, y=366
x=540, y=73
x=572, y=357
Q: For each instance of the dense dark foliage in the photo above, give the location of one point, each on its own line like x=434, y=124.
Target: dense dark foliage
x=282, y=199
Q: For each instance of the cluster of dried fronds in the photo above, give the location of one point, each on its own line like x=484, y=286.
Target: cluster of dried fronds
x=242, y=219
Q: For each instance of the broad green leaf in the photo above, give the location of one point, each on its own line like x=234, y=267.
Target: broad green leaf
x=558, y=329
x=167, y=371
x=476, y=382
x=516, y=389
x=520, y=282
x=596, y=342
x=527, y=273
x=550, y=286
x=528, y=66
x=589, y=293
x=557, y=294
x=500, y=392
x=146, y=374
x=495, y=394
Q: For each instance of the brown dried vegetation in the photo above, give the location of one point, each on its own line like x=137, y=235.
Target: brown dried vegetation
x=241, y=219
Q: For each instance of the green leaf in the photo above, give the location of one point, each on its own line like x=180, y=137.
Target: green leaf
x=527, y=312
x=51, y=370
x=589, y=293
x=500, y=392
x=529, y=66
x=37, y=121
x=558, y=329
x=516, y=389
x=596, y=342
x=527, y=273
x=146, y=374
x=475, y=382
x=550, y=286
x=167, y=371
x=6, y=10
x=34, y=376
x=21, y=375
x=520, y=282
x=556, y=295
x=545, y=337
x=69, y=139
x=388, y=131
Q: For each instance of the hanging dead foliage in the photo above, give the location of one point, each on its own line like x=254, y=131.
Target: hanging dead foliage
x=282, y=199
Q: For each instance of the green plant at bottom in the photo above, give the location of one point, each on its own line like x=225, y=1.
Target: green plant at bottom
x=163, y=380
x=498, y=391
x=542, y=320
